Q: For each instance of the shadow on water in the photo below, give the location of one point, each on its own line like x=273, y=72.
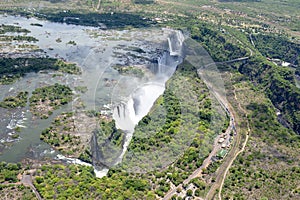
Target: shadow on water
x=103, y=20
x=96, y=52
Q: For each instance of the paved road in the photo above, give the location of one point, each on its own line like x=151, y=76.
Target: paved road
x=232, y=155
x=223, y=102
x=229, y=110
x=243, y=148
x=198, y=171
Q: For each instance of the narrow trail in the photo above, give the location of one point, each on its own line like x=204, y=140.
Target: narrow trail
x=232, y=155
x=98, y=5
x=235, y=147
x=27, y=181
x=244, y=144
x=198, y=171
x=226, y=106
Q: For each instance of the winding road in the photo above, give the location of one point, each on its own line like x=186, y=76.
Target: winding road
x=244, y=144
x=216, y=147
x=235, y=150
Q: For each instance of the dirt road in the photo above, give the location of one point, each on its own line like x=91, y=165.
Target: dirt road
x=27, y=181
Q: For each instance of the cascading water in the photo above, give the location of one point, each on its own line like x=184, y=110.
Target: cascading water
x=91, y=54
x=138, y=105
x=128, y=114
x=130, y=111
x=175, y=43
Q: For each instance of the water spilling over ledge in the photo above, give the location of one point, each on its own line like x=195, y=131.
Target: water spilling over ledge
x=156, y=51
x=129, y=111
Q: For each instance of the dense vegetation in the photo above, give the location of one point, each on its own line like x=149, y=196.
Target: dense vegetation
x=110, y=141
x=279, y=85
x=178, y=119
x=9, y=172
x=217, y=43
x=274, y=46
x=111, y=20
x=61, y=135
x=19, y=100
x=13, y=68
x=270, y=156
x=46, y=99
x=79, y=182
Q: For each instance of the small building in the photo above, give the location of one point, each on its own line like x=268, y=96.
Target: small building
x=221, y=140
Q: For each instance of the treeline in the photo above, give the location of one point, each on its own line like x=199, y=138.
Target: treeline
x=79, y=182
x=13, y=68
x=12, y=29
x=144, y=1
x=239, y=0
x=111, y=20
x=216, y=42
x=18, y=38
x=274, y=46
x=20, y=66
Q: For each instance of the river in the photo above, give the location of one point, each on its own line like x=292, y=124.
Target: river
x=96, y=51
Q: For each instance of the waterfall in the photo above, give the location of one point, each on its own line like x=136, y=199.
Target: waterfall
x=137, y=106
x=124, y=115
x=166, y=65
x=175, y=42
x=170, y=58
x=130, y=111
